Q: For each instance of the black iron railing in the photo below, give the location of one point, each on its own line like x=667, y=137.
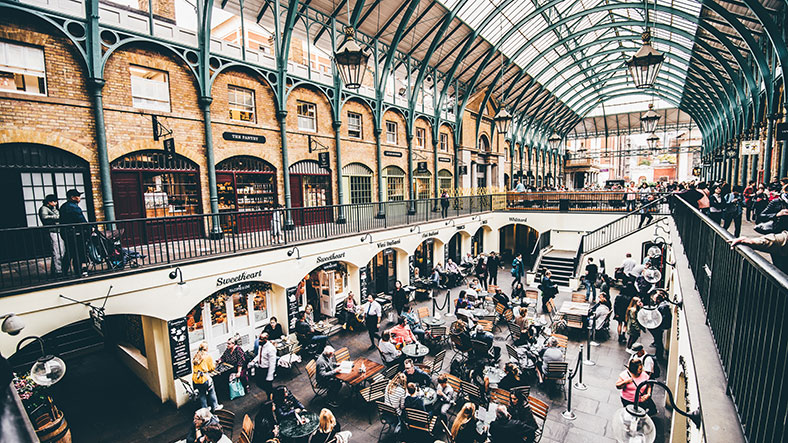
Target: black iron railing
x=621, y=227
x=597, y=201
x=746, y=303
x=541, y=244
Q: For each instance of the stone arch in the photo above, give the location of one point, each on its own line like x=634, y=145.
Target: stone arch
x=358, y=106
x=124, y=149
x=141, y=42
x=423, y=123
x=306, y=92
x=395, y=115
x=238, y=67
x=49, y=139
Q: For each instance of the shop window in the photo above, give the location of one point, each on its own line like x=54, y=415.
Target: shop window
x=194, y=320
x=360, y=189
x=260, y=303
x=22, y=69
x=420, y=137
x=391, y=132
x=37, y=185
x=240, y=310
x=170, y=194
x=444, y=140
x=316, y=188
x=445, y=180
x=354, y=125
x=395, y=183
x=217, y=306
x=241, y=104
x=423, y=182
x=307, y=116
x=149, y=88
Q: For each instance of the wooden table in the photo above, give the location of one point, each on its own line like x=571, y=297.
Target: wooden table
x=354, y=377
x=575, y=308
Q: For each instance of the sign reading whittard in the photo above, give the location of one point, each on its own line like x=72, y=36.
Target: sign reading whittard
x=331, y=257
x=243, y=276
x=518, y=219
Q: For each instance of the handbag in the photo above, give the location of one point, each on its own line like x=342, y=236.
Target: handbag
x=236, y=389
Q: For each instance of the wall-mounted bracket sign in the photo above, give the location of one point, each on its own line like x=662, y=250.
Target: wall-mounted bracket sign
x=422, y=167
x=323, y=160
x=237, y=137
x=782, y=132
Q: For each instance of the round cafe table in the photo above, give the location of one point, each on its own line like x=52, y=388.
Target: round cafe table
x=432, y=321
x=415, y=351
x=292, y=430
x=494, y=375
x=481, y=312
x=429, y=396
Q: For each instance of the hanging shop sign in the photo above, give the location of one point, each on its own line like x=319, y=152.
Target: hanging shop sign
x=363, y=275
x=292, y=307
x=463, y=170
x=750, y=147
x=411, y=268
x=392, y=153
x=422, y=167
x=333, y=266
x=696, y=171
x=237, y=137
x=169, y=146
x=323, y=160
x=97, y=319
x=444, y=159
x=179, y=347
x=782, y=132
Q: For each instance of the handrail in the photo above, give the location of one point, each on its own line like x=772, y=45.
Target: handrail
x=661, y=199
x=541, y=243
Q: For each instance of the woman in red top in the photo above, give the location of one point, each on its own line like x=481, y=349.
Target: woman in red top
x=627, y=383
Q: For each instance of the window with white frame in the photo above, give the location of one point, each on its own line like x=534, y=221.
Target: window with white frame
x=354, y=125
x=241, y=103
x=391, y=132
x=444, y=140
x=149, y=88
x=421, y=135
x=307, y=116
x=22, y=69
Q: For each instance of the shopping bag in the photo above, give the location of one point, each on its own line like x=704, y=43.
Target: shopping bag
x=236, y=389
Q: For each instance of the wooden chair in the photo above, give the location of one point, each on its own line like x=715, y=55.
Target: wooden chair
x=556, y=372
x=227, y=420
x=539, y=409
x=508, y=315
x=526, y=390
x=423, y=312
x=578, y=297
x=311, y=371
x=374, y=392
x=487, y=325
x=514, y=356
x=392, y=371
x=460, y=350
x=342, y=354
x=563, y=340
x=454, y=382
x=388, y=417
x=500, y=396
x=514, y=331
x=533, y=294
x=436, y=365
x=574, y=321
x=472, y=392
x=439, y=334
x=418, y=422
x=243, y=438
x=447, y=431
x=247, y=426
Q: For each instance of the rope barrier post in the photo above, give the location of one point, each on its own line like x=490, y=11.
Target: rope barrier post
x=568, y=414
x=593, y=332
x=588, y=361
x=579, y=384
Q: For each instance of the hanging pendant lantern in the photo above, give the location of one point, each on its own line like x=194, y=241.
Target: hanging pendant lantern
x=554, y=141
x=503, y=120
x=645, y=64
x=652, y=141
x=649, y=120
x=351, y=60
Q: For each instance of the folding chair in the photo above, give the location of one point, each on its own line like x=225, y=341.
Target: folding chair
x=563, y=340
x=556, y=372
x=226, y=420
x=247, y=426
x=487, y=325
x=374, y=392
x=311, y=371
x=574, y=321
x=472, y=392
x=500, y=396
x=526, y=390
x=423, y=312
x=578, y=297
x=514, y=331
x=436, y=365
x=341, y=355
x=514, y=356
x=418, y=422
x=388, y=417
x=391, y=372
x=439, y=334
x=539, y=410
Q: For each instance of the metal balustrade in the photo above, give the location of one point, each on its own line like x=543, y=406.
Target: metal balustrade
x=745, y=298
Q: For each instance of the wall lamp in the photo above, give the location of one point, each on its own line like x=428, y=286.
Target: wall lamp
x=474, y=218
x=48, y=369
x=296, y=251
x=365, y=237
x=632, y=423
x=182, y=289
x=12, y=325
x=451, y=222
x=649, y=316
x=416, y=228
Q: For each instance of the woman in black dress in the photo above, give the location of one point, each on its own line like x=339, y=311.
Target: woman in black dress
x=328, y=428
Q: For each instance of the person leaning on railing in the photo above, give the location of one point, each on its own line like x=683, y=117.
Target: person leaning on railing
x=775, y=244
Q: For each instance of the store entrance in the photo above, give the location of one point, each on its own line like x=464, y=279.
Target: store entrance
x=477, y=242
x=454, y=248
x=324, y=288
x=246, y=184
x=310, y=187
x=423, y=260
x=383, y=268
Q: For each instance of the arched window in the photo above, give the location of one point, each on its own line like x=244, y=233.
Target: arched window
x=484, y=143
x=245, y=183
x=445, y=180
x=357, y=179
x=422, y=182
x=394, y=182
x=310, y=184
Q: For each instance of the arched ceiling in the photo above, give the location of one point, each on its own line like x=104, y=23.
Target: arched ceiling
x=550, y=62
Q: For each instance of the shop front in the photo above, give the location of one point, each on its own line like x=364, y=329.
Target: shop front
x=310, y=187
x=382, y=274
x=454, y=248
x=242, y=309
x=245, y=184
x=477, y=242
x=445, y=181
x=422, y=182
x=150, y=184
x=324, y=288
x=423, y=259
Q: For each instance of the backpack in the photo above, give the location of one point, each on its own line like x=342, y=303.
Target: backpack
x=657, y=371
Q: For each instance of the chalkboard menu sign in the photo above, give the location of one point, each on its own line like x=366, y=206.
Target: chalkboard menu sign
x=363, y=275
x=292, y=308
x=179, y=347
x=411, y=268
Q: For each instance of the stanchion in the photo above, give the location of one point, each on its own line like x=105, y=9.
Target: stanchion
x=588, y=361
x=593, y=331
x=579, y=384
x=568, y=414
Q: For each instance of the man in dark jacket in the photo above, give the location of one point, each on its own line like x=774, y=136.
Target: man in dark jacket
x=505, y=430
x=326, y=369
x=73, y=236
x=413, y=401
x=493, y=263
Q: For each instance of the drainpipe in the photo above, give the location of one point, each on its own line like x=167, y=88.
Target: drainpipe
x=205, y=105
x=282, y=117
x=96, y=85
x=411, y=180
x=435, y=167
x=337, y=124
x=378, y=158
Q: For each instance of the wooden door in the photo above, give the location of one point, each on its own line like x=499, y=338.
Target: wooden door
x=127, y=193
x=297, y=199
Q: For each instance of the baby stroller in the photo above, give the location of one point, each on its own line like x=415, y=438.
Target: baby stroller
x=103, y=247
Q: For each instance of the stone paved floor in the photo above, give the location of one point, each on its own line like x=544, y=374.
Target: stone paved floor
x=104, y=402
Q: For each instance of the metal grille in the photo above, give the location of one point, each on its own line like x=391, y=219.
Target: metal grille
x=30, y=156
x=245, y=163
x=154, y=160
x=360, y=189
x=308, y=167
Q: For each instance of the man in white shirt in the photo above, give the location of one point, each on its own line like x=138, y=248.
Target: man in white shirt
x=628, y=265
x=648, y=360
x=265, y=362
x=390, y=354
x=372, y=315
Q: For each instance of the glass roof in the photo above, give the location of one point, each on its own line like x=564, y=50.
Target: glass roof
x=597, y=52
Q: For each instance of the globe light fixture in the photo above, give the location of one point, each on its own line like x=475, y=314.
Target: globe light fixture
x=554, y=141
x=48, y=369
x=351, y=60
x=648, y=121
x=503, y=120
x=645, y=64
x=654, y=252
x=652, y=141
x=12, y=325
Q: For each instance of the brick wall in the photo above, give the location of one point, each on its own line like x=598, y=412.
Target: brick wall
x=163, y=8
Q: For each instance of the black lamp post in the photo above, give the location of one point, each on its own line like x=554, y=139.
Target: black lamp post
x=649, y=120
x=631, y=423
x=554, y=141
x=351, y=60
x=503, y=120
x=652, y=141
x=645, y=64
